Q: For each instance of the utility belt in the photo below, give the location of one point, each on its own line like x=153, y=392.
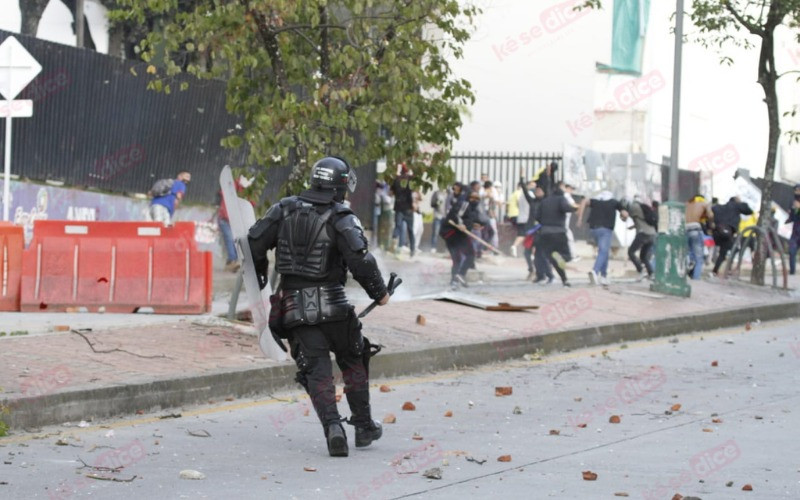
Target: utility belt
x=309, y=306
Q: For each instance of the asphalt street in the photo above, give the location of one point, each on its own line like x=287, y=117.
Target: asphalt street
x=702, y=415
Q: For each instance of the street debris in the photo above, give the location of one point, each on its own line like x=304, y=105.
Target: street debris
x=621, y=494
x=502, y=391
x=113, y=479
x=202, y=433
x=448, y=413
x=434, y=473
x=675, y=407
x=421, y=320
x=714, y=363
x=747, y=487
x=385, y=388
x=729, y=484
x=389, y=419
x=191, y=474
x=416, y=437
x=310, y=469
x=589, y=476
x=554, y=432
x=614, y=419
x=171, y=415
x=504, y=458
x=99, y=468
x=535, y=356
x=517, y=410
x=716, y=420
x=708, y=430
x=61, y=328
x=409, y=406
x=482, y=303
x=107, y=351
x=476, y=460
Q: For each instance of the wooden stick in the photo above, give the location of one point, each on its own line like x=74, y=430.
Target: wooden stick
x=479, y=240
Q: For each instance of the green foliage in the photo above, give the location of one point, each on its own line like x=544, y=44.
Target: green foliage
x=4, y=410
x=362, y=79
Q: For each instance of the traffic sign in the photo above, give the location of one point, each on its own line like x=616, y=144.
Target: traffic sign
x=20, y=108
x=17, y=68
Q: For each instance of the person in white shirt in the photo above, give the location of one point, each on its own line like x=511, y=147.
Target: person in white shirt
x=570, y=237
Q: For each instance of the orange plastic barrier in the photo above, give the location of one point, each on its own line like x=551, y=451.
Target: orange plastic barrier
x=115, y=267
x=12, y=243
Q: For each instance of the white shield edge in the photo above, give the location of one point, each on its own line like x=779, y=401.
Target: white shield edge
x=242, y=216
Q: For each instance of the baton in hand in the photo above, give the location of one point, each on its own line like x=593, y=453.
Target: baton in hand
x=394, y=282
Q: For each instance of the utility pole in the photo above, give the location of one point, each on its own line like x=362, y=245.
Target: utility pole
x=79, y=22
x=676, y=102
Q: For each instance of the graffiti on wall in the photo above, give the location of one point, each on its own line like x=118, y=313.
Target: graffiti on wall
x=32, y=202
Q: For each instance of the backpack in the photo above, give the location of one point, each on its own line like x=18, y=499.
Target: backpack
x=650, y=215
x=161, y=187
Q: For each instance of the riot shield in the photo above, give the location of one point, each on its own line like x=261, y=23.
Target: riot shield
x=242, y=217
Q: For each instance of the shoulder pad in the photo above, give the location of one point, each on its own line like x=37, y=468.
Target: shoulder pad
x=273, y=216
x=350, y=227
x=342, y=209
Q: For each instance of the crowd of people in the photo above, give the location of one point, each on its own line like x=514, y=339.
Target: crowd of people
x=540, y=211
x=712, y=230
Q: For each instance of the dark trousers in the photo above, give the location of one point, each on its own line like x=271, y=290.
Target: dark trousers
x=794, y=243
x=406, y=216
x=642, y=243
x=555, y=244
x=540, y=262
x=462, y=254
x=311, y=348
x=724, y=243
x=528, y=253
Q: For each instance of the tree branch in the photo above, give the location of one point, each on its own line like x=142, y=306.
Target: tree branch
x=752, y=28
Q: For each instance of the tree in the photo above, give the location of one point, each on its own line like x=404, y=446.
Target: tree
x=722, y=23
x=362, y=79
x=31, y=11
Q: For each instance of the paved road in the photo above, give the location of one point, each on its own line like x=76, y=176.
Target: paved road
x=738, y=423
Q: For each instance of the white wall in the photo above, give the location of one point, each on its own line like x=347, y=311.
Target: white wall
x=56, y=22
x=534, y=98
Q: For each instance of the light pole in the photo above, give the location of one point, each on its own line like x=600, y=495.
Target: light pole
x=676, y=103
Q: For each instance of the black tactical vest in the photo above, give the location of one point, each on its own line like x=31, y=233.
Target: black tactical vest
x=304, y=243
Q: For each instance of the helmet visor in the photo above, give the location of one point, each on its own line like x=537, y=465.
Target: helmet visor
x=352, y=180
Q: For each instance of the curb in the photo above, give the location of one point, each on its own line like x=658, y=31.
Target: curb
x=104, y=402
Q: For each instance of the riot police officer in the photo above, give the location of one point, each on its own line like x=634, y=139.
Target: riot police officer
x=317, y=240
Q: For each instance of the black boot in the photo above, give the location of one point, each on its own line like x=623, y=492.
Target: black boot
x=367, y=433
x=337, y=440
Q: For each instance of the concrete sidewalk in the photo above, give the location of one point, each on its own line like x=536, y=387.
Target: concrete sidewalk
x=141, y=364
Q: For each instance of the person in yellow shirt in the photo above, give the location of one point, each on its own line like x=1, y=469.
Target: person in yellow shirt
x=512, y=212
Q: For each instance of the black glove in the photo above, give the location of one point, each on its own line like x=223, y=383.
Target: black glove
x=262, y=280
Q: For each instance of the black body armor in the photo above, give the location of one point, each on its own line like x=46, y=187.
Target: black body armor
x=304, y=242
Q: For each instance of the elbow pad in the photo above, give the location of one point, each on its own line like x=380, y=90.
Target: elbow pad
x=369, y=277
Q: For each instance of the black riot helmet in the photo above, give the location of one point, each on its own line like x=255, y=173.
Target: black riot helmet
x=335, y=174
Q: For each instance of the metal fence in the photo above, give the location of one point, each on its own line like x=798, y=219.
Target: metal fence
x=95, y=125
x=503, y=167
